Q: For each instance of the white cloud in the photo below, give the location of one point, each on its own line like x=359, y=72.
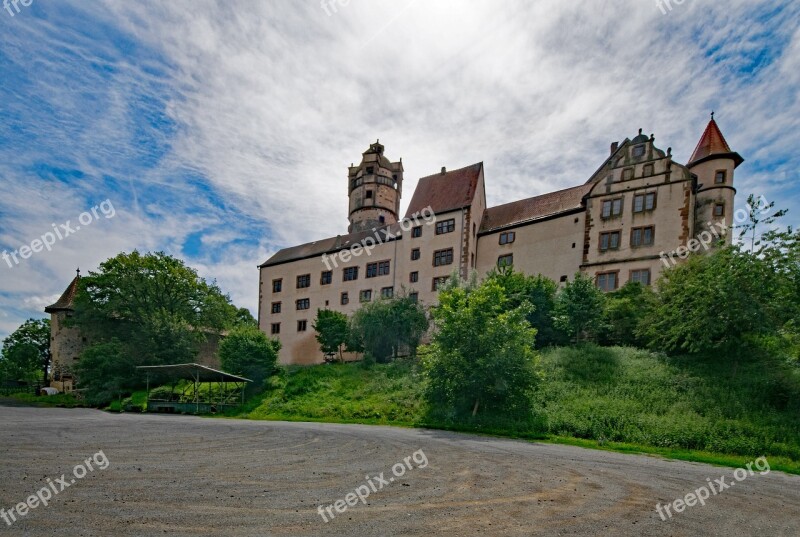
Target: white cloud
x=270, y=101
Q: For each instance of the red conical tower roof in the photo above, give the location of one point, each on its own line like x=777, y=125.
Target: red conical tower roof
x=65, y=302
x=713, y=145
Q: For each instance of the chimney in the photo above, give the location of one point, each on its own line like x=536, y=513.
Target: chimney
x=444, y=170
x=614, y=147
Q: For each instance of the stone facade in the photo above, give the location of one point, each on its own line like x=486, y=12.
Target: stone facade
x=624, y=224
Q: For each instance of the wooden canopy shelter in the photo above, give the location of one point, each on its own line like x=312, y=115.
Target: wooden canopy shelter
x=229, y=392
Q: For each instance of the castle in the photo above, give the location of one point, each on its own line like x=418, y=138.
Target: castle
x=615, y=227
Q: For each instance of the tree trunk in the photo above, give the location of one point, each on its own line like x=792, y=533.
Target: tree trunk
x=475, y=408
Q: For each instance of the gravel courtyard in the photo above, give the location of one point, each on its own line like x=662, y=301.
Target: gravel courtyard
x=180, y=475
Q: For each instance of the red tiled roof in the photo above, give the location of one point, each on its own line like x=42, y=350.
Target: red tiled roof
x=65, y=302
x=713, y=143
x=534, y=208
x=447, y=191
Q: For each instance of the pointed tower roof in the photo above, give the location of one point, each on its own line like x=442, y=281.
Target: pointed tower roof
x=712, y=145
x=65, y=302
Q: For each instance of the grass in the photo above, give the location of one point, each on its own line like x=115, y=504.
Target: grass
x=61, y=400
x=344, y=393
x=716, y=410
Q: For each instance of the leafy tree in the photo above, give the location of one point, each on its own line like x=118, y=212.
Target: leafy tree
x=482, y=357
x=625, y=310
x=757, y=208
x=247, y=351
x=714, y=301
x=332, y=331
x=579, y=309
x=26, y=352
x=386, y=327
x=158, y=308
x=540, y=292
x=106, y=372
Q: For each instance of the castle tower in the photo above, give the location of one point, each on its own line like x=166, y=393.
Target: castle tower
x=375, y=187
x=713, y=162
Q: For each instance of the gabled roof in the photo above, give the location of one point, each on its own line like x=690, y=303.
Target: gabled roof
x=534, y=208
x=65, y=303
x=446, y=191
x=333, y=244
x=713, y=145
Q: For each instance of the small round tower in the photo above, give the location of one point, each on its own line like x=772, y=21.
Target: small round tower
x=713, y=162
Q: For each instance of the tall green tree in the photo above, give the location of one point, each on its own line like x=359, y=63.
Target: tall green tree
x=332, y=331
x=25, y=354
x=579, y=310
x=247, y=351
x=156, y=306
x=387, y=327
x=714, y=302
x=540, y=292
x=482, y=358
x=625, y=309
x=107, y=371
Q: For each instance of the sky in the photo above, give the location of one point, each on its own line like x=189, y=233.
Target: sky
x=220, y=132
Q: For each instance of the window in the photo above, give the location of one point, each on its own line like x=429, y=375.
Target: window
x=413, y=277
x=277, y=285
x=276, y=307
x=720, y=176
x=439, y=282
x=350, y=274
x=642, y=276
x=370, y=170
x=380, y=268
x=302, y=326
x=627, y=174
x=505, y=260
x=607, y=281
x=507, y=238
x=719, y=209
x=365, y=295
x=414, y=254
x=304, y=281
x=275, y=328
x=649, y=170
x=644, y=202
x=303, y=304
x=387, y=292
x=416, y=232
x=638, y=151
x=443, y=257
x=446, y=226
x=609, y=240
x=563, y=279
x=326, y=278
x=612, y=208
x=369, y=194
x=345, y=299
x=414, y=297
x=642, y=236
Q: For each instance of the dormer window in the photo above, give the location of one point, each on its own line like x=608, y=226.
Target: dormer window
x=638, y=150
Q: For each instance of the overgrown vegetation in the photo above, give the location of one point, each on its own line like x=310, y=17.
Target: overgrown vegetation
x=707, y=409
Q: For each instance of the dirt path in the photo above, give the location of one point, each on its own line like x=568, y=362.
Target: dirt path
x=176, y=475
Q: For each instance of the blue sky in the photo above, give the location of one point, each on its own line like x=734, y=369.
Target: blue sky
x=221, y=131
